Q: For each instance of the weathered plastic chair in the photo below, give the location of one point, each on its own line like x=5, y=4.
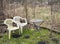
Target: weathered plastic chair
x=10, y=27
x=17, y=19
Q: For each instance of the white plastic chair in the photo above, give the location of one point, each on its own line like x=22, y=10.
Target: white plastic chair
x=21, y=25
x=9, y=23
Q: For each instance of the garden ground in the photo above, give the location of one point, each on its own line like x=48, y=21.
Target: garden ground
x=31, y=37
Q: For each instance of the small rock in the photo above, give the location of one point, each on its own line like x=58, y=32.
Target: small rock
x=26, y=36
x=41, y=42
x=16, y=35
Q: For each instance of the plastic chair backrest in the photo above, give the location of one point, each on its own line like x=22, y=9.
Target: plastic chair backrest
x=8, y=22
x=17, y=19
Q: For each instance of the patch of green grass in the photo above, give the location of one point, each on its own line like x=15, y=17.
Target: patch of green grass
x=34, y=37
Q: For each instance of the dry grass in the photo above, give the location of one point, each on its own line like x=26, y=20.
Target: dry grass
x=43, y=12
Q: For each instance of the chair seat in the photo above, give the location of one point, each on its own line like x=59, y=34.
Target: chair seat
x=23, y=24
x=13, y=28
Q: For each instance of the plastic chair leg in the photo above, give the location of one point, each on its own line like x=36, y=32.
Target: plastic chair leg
x=9, y=34
x=21, y=30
